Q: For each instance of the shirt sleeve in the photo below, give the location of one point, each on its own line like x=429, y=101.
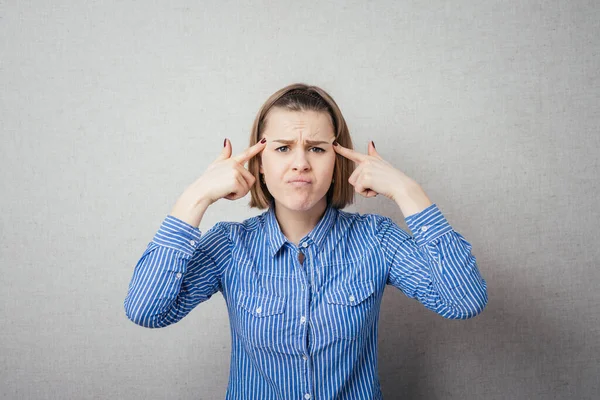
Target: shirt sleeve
x=435, y=266
x=179, y=269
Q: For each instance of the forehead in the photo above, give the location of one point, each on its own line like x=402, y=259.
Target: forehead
x=293, y=123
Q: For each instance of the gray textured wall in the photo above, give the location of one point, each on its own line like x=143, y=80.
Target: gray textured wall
x=108, y=110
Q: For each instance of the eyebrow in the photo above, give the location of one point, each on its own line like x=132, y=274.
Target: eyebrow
x=308, y=142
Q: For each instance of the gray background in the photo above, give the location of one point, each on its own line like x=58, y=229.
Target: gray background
x=108, y=110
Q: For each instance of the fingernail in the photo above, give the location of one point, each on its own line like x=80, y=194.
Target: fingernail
x=335, y=143
x=264, y=140
x=373, y=144
x=225, y=142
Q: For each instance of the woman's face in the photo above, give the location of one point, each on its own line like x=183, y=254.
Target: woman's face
x=299, y=147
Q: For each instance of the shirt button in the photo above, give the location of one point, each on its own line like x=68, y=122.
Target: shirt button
x=302, y=319
x=305, y=244
x=424, y=228
x=193, y=242
x=351, y=298
x=178, y=275
x=307, y=396
x=305, y=357
x=258, y=310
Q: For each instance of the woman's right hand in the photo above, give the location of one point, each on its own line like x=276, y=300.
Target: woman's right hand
x=226, y=177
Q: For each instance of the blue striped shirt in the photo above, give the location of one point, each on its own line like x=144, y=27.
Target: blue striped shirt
x=305, y=330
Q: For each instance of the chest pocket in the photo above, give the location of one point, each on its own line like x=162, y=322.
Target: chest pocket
x=261, y=319
x=350, y=306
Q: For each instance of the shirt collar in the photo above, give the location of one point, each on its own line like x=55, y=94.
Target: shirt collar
x=315, y=237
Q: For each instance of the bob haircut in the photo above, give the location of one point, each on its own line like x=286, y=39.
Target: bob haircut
x=302, y=97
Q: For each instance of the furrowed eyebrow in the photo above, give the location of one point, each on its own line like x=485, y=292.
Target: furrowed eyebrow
x=308, y=142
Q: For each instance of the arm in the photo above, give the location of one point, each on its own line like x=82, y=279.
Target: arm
x=435, y=266
x=179, y=269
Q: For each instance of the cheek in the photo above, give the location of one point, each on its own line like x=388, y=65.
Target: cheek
x=325, y=170
x=332, y=161
x=272, y=165
x=331, y=164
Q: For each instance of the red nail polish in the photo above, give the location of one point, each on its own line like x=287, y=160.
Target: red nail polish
x=225, y=142
x=373, y=144
x=264, y=140
x=335, y=143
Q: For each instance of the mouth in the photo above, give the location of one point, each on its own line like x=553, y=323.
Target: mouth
x=300, y=182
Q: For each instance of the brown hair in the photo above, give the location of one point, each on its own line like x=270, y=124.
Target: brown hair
x=302, y=97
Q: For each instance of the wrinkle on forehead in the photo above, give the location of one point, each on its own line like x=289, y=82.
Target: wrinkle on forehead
x=317, y=141
x=300, y=135
x=290, y=124
x=302, y=129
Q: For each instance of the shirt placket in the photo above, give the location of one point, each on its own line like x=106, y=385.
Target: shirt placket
x=306, y=291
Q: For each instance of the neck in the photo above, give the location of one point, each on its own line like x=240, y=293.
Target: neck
x=297, y=224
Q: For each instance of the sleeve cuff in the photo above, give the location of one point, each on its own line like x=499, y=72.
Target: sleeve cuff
x=179, y=235
x=427, y=225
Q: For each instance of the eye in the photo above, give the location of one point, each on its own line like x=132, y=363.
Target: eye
x=284, y=149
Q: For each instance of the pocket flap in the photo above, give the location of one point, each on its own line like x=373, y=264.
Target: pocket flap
x=261, y=305
x=351, y=293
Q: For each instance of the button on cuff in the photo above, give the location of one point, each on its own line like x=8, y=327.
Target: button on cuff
x=177, y=234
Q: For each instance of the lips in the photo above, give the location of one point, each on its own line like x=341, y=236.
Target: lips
x=300, y=180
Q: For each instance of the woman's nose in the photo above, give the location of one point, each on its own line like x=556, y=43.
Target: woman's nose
x=300, y=160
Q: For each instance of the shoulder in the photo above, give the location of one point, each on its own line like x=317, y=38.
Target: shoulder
x=375, y=229
x=235, y=230
x=368, y=222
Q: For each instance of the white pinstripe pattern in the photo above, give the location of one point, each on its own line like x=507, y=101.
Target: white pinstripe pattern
x=305, y=329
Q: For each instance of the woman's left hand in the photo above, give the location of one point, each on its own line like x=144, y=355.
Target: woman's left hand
x=373, y=175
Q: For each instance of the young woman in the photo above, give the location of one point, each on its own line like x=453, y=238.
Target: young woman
x=303, y=281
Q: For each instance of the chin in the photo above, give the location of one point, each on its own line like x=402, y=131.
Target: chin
x=296, y=203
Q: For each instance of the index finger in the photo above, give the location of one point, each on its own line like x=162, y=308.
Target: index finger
x=350, y=154
x=250, y=152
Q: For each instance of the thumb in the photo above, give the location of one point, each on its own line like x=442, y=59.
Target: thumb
x=226, y=152
x=372, y=151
